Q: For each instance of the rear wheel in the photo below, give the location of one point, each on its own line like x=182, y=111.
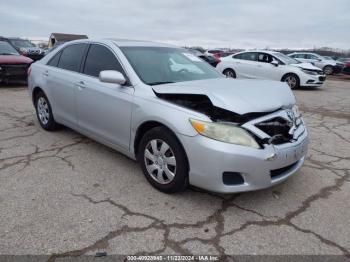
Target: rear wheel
x=44, y=112
x=292, y=80
x=163, y=160
x=328, y=70
x=230, y=73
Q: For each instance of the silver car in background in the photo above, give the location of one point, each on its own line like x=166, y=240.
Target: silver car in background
x=180, y=118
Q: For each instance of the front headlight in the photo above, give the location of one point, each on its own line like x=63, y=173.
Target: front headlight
x=224, y=133
x=309, y=72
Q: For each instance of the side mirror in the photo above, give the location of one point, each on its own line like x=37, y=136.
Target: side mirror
x=275, y=63
x=112, y=76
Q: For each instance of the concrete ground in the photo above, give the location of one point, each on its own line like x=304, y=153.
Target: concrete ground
x=63, y=194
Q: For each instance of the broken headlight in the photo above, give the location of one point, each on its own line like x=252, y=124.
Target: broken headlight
x=224, y=133
x=309, y=72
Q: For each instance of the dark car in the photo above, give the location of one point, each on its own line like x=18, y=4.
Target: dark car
x=346, y=69
x=212, y=60
x=26, y=48
x=346, y=64
x=13, y=66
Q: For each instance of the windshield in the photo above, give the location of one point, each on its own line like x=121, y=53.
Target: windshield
x=160, y=65
x=21, y=43
x=286, y=59
x=7, y=49
x=328, y=58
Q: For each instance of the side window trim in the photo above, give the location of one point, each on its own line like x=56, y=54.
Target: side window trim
x=84, y=53
x=128, y=83
x=59, y=53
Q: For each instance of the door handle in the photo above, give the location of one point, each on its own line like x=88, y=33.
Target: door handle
x=80, y=84
x=46, y=73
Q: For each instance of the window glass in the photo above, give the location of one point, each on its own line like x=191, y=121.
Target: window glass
x=54, y=60
x=7, y=49
x=22, y=43
x=100, y=58
x=251, y=56
x=265, y=58
x=71, y=57
x=312, y=57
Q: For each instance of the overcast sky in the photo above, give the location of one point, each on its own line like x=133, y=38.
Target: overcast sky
x=209, y=23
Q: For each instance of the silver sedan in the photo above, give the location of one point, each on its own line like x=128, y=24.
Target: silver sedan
x=182, y=120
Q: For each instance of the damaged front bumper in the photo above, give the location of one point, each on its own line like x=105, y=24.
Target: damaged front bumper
x=229, y=168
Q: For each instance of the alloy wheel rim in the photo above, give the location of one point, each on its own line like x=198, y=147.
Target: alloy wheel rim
x=291, y=81
x=43, y=110
x=328, y=70
x=229, y=73
x=160, y=161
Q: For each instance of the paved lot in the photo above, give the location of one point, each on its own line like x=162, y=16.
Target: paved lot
x=61, y=193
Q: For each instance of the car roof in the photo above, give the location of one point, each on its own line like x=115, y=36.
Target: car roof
x=259, y=51
x=124, y=42
x=130, y=42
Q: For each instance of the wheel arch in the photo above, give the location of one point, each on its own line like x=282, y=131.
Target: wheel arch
x=327, y=65
x=35, y=92
x=145, y=127
x=228, y=68
x=290, y=73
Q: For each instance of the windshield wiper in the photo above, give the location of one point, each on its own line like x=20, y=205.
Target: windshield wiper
x=7, y=54
x=159, y=83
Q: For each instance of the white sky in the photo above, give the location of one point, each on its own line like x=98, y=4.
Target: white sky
x=209, y=23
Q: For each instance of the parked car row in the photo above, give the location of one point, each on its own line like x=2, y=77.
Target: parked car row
x=25, y=47
x=328, y=65
x=271, y=65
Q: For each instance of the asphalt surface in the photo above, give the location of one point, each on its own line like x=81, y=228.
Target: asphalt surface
x=62, y=194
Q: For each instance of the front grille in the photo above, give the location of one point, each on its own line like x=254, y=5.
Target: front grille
x=322, y=78
x=14, y=69
x=281, y=171
x=277, y=128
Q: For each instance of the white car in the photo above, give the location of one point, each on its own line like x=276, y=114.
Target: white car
x=271, y=65
x=329, y=66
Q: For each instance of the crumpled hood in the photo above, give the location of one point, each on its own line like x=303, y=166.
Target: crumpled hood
x=238, y=96
x=306, y=65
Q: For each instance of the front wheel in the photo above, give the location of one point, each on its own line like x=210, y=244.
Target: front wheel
x=292, y=80
x=328, y=70
x=163, y=160
x=229, y=73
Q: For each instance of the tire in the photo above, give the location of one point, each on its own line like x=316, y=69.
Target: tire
x=328, y=70
x=292, y=80
x=44, y=112
x=230, y=73
x=159, y=163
